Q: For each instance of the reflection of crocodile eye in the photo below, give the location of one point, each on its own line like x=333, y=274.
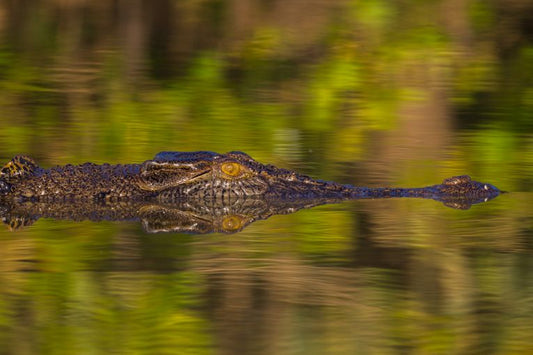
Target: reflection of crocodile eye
x=231, y=223
x=231, y=169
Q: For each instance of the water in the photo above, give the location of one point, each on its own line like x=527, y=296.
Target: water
x=369, y=93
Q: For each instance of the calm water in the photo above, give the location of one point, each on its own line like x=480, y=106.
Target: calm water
x=369, y=93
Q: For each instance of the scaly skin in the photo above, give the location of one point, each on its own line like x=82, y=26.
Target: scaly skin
x=205, y=176
x=198, y=192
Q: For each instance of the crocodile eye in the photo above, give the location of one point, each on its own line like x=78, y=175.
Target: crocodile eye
x=231, y=169
x=232, y=223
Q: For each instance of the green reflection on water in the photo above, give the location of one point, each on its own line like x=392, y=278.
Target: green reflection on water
x=371, y=93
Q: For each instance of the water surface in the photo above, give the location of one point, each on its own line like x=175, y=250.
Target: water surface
x=369, y=93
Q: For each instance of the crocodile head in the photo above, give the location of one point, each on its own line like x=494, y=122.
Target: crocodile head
x=212, y=175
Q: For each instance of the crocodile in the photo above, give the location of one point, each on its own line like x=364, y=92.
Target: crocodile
x=209, y=177
x=194, y=192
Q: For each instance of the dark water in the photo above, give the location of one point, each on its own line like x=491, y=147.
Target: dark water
x=370, y=93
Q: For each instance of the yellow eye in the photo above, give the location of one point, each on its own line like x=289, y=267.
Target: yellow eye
x=232, y=223
x=231, y=169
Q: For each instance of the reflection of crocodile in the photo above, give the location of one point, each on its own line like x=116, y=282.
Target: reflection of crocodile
x=193, y=184
x=192, y=216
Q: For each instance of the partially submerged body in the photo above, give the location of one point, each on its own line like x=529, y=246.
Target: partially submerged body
x=172, y=176
x=194, y=189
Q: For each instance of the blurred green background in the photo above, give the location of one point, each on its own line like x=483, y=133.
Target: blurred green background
x=369, y=92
